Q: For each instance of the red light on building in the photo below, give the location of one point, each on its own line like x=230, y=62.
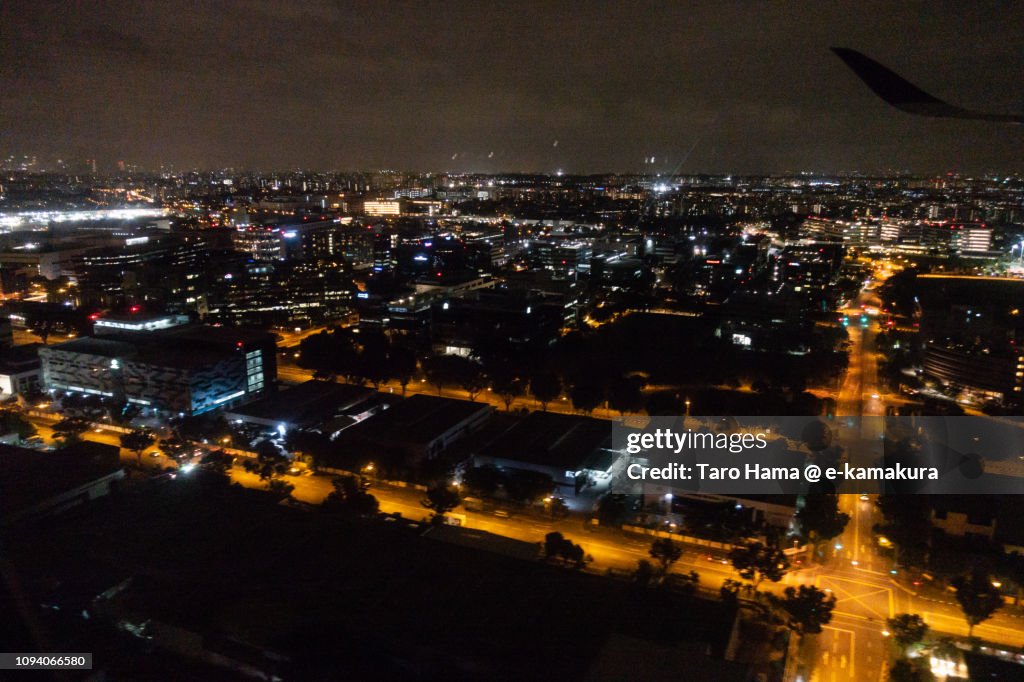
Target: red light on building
x=134, y=309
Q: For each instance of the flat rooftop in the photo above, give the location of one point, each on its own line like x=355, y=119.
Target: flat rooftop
x=185, y=346
x=20, y=358
x=108, y=346
x=30, y=477
x=550, y=439
x=416, y=421
x=304, y=405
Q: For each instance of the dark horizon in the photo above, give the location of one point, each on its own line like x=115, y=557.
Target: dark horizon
x=724, y=88
x=106, y=169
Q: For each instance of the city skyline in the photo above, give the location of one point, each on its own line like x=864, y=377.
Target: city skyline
x=348, y=340
x=712, y=89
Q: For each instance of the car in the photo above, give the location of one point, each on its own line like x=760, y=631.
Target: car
x=34, y=440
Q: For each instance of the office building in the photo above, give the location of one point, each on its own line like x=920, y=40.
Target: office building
x=184, y=369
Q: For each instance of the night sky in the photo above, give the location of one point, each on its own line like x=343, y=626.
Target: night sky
x=516, y=86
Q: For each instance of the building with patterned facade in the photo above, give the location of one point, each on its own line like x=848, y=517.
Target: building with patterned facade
x=183, y=370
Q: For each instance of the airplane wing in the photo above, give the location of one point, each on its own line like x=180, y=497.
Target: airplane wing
x=905, y=96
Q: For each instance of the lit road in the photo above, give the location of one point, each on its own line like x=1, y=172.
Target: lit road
x=609, y=548
x=852, y=646
x=293, y=337
x=23, y=336
x=859, y=394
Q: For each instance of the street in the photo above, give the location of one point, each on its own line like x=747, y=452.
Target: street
x=852, y=646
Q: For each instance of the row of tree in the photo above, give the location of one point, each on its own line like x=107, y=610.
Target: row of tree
x=803, y=610
x=587, y=368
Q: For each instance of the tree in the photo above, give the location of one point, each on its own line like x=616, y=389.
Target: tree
x=219, y=462
x=137, y=441
x=644, y=573
x=557, y=546
x=42, y=328
x=545, y=387
x=666, y=553
x=330, y=353
x=348, y=497
x=471, y=378
x=553, y=543
x=313, y=444
x=70, y=430
x=586, y=394
x=280, y=487
x=507, y=384
x=372, y=363
x=977, y=597
x=443, y=370
x=730, y=590
x=663, y=403
x=757, y=562
x=907, y=629
x=441, y=498
x=12, y=422
x=805, y=609
x=820, y=519
x=403, y=365
x=1012, y=569
x=906, y=670
x=270, y=462
x=687, y=582
x=625, y=395
x=482, y=480
x=816, y=436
